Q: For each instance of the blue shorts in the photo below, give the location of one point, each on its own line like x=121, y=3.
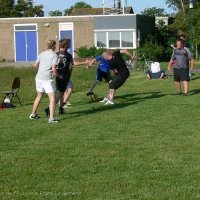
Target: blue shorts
x=69, y=85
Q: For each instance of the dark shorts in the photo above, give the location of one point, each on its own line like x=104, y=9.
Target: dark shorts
x=101, y=74
x=61, y=84
x=118, y=81
x=69, y=85
x=181, y=74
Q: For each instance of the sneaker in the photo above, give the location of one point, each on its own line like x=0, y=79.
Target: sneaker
x=90, y=93
x=47, y=111
x=68, y=104
x=109, y=102
x=52, y=121
x=185, y=94
x=34, y=116
x=61, y=111
x=65, y=106
x=104, y=100
x=179, y=93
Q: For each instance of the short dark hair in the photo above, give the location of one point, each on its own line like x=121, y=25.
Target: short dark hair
x=155, y=59
x=180, y=40
x=63, y=43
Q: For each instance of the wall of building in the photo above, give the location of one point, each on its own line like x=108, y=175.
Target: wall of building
x=145, y=25
x=83, y=26
x=115, y=22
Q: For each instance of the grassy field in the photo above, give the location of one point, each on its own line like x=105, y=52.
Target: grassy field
x=145, y=147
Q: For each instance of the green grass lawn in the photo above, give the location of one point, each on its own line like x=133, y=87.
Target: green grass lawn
x=146, y=146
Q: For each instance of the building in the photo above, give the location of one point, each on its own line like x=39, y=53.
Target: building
x=165, y=20
x=22, y=39
x=98, y=11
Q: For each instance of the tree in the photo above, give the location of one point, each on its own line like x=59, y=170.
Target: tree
x=25, y=8
x=79, y=4
x=157, y=12
x=5, y=7
x=183, y=25
x=55, y=13
x=22, y=8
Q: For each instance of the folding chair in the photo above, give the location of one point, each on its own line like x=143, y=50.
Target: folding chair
x=13, y=92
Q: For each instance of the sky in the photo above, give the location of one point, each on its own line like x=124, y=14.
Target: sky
x=138, y=5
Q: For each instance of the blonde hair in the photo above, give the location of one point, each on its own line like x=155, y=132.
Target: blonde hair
x=51, y=44
x=109, y=52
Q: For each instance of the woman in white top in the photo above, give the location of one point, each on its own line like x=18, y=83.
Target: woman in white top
x=155, y=71
x=46, y=65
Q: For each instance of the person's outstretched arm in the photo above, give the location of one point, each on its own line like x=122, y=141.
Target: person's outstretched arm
x=124, y=51
x=76, y=63
x=91, y=63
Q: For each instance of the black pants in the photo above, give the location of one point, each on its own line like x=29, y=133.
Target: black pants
x=61, y=84
x=118, y=81
x=101, y=74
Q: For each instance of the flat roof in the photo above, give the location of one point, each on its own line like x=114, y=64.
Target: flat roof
x=63, y=17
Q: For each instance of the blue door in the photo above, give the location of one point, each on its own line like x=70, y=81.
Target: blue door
x=68, y=35
x=20, y=46
x=31, y=45
x=26, y=45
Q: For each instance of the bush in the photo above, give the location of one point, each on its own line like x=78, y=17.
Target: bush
x=89, y=52
x=152, y=49
x=2, y=60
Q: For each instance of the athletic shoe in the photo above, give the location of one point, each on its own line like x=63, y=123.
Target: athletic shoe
x=65, y=106
x=185, y=94
x=47, y=111
x=68, y=104
x=104, y=100
x=90, y=93
x=61, y=111
x=52, y=121
x=109, y=102
x=179, y=93
x=34, y=116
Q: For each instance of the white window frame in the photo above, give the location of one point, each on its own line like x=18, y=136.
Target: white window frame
x=36, y=30
x=34, y=24
x=72, y=29
x=120, y=31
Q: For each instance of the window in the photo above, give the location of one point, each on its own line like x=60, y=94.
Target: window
x=127, y=39
x=24, y=27
x=101, y=39
x=116, y=39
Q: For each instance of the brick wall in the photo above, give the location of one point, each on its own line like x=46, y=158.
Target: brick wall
x=83, y=32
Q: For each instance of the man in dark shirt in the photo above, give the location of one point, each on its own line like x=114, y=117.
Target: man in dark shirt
x=182, y=56
x=119, y=66
x=65, y=60
x=63, y=74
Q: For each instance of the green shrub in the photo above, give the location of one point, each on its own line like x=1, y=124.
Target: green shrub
x=152, y=49
x=89, y=52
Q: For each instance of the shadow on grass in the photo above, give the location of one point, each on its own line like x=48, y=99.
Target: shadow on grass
x=194, y=92
x=195, y=78
x=129, y=99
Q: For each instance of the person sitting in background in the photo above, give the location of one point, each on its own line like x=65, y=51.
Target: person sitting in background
x=155, y=71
